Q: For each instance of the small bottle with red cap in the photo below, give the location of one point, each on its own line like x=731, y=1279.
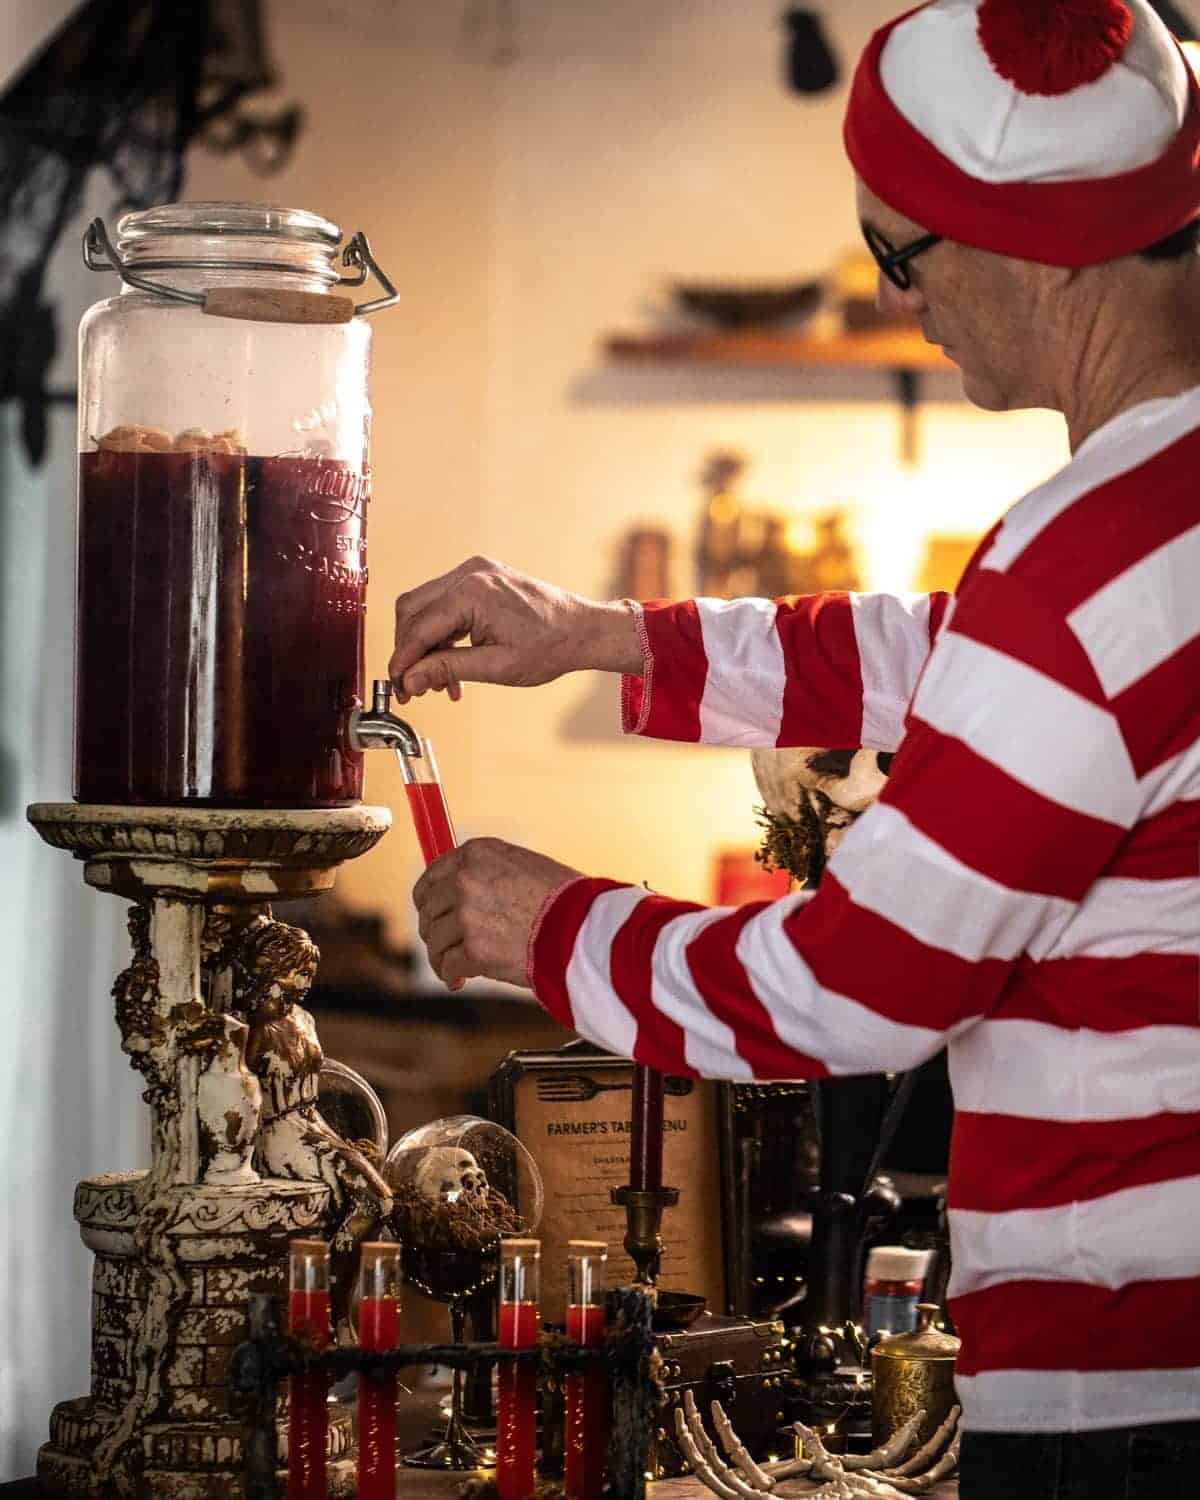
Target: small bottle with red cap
x=892, y=1289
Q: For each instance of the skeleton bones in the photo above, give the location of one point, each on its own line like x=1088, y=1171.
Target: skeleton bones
x=451, y=1175
x=880, y=1473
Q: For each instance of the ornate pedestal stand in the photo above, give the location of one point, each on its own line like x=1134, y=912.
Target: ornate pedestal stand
x=210, y=1012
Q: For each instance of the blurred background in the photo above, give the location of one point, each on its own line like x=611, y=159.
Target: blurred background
x=635, y=354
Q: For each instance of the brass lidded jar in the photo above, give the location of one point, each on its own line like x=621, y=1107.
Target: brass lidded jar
x=910, y=1371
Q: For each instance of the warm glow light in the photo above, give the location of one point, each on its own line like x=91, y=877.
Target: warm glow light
x=798, y=535
x=1191, y=50
x=891, y=536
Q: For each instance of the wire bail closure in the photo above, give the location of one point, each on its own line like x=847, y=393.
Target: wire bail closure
x=99, y=254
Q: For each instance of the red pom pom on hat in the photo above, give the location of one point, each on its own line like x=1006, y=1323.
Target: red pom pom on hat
x=1053, y=46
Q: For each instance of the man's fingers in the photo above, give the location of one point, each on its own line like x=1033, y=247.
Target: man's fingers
x=445, y=618
x=448, y=670
x=440, y=680
x=434, y=891
x=415, y=600
x=442, y=936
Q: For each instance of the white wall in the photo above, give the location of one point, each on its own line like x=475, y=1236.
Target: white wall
x=69, y=1103
x=527, y=211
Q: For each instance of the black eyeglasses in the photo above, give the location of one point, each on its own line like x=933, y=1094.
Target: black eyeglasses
x=892, y=262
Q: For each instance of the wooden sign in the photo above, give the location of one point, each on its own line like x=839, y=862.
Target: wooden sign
x=571, y=1109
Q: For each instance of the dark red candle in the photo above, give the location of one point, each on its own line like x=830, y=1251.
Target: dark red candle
x=378, y=1328
x=308, y=1412
x=516, y=1384
x=646, y=1135
x=586, y=1437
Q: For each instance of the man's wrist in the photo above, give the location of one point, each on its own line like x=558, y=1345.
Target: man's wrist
x=614, y=640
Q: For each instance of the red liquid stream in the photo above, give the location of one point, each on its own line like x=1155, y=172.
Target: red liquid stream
x=431, y=818
x=219, y=629
x=308, y=1412
x=646, y=1134
x=378, y=1328
x=516, y=1403
x=587, y=1409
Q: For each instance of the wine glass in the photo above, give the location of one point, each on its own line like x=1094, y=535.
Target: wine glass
x=460, y=1184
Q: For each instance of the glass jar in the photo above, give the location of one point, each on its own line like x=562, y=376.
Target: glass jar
x=222, y=522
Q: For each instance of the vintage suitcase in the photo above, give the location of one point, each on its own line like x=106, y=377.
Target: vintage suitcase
x=742, y=1364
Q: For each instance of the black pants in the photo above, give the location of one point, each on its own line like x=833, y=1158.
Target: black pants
x=1128, y=1463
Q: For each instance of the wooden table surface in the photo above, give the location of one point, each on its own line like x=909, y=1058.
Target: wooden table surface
x=414, y=1425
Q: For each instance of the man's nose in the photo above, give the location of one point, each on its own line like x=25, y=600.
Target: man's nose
x=897, y=302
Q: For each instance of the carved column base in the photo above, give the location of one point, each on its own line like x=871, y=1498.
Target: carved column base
x=221, y=1244
x=197, y=1461
x=210, y=1012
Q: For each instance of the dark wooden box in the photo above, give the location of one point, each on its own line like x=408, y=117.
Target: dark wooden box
x=740, y=1363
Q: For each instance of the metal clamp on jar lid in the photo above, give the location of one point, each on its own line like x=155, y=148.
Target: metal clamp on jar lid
x=250, y=223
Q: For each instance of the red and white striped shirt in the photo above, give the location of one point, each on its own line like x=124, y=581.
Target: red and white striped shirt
x=1027, y=891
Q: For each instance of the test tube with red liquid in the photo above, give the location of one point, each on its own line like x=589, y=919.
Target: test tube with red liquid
x=427, y=802
x=587, y=1394
x=378, y=1329
x=308, y=1412
x=516, y=1382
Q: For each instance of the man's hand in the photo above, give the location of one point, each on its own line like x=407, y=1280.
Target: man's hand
x=522, y=632
x=477, y=906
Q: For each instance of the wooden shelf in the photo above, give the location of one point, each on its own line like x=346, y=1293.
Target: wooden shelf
x=878, y=349
x=901, y=351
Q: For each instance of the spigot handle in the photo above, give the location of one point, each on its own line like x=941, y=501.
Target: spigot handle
x=381, y=696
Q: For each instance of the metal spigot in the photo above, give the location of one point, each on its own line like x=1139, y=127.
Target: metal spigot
x=381, y=729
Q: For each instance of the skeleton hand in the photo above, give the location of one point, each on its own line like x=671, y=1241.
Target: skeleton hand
x=879, y=1474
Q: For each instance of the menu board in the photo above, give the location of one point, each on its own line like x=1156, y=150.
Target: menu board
x=571, y=1110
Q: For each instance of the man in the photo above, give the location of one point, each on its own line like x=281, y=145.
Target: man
x=1027, y=889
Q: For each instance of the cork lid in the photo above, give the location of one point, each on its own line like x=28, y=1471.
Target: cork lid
x=924, y=1342
x=897, y=1263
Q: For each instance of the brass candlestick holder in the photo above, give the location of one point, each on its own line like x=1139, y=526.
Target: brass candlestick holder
x=644, y=1208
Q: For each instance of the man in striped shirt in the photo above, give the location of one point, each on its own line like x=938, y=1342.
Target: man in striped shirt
x=1027, y=890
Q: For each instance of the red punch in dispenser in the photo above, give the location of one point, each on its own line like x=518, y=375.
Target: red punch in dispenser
x=381, y=729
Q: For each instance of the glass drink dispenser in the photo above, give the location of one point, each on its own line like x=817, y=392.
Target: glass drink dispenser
x=223, y=487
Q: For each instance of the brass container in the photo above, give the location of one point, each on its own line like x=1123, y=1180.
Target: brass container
x=910, y=1371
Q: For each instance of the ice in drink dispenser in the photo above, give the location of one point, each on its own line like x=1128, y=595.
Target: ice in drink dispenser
x=223, y=491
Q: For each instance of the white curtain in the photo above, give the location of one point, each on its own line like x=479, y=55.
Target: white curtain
x=69, y=1103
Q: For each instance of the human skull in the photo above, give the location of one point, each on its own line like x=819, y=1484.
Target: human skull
x=448, y=1174
x=835, y=786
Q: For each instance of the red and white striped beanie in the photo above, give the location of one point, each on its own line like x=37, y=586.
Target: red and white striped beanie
x=1061, y=131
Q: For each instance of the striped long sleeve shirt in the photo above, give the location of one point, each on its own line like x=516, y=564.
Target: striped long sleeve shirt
x=1026, y=892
